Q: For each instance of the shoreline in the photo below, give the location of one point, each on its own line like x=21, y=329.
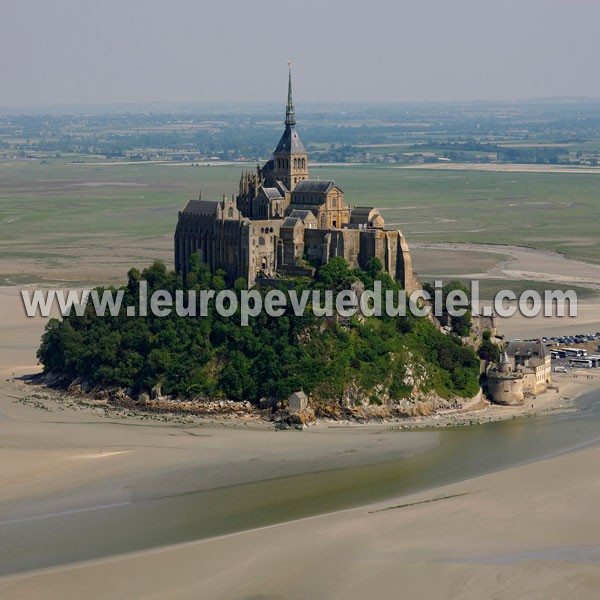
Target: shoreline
x=371, y=507
x=451, y=507
x=478, y=409
x=22, y=336
x=72, y=459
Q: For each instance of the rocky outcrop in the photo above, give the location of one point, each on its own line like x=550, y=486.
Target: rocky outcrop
x=355, y=404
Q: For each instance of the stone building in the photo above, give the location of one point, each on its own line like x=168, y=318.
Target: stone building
x=505, y=386
x=524, y=368
x=534, y=361
x=281, y=223
x=297, y=402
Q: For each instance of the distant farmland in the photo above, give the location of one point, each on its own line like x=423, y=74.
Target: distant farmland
x=92, y=221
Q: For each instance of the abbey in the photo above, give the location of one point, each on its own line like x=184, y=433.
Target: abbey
x=282, y=223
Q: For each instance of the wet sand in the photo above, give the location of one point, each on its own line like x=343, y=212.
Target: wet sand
x=518, y=264
x=59, y=456
x=527, y=532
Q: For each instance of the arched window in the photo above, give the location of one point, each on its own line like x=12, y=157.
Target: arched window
x=230, y=213
x=261, y=241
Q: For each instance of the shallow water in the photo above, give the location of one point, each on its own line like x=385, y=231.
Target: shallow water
x=464, y=452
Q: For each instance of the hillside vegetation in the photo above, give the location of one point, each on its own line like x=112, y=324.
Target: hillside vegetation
x=371, y=360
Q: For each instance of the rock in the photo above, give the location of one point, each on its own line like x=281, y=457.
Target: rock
x=302, y=417
x=75, y=387
x=143, y=400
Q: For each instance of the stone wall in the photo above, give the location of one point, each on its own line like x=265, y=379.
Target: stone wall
x=216, y=242
x=506, y=388
x=481, y=323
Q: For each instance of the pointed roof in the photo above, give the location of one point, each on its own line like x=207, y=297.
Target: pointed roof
x=201, y=207
x=290, y=115
x=504, y=364
x=303, y=215
x=271, y=193
x=291, y=222
x=311, y=186
x=532, y=348
x=290, y=141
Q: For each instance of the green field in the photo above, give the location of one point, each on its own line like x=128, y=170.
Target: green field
x=554, y=211
x=78, y=219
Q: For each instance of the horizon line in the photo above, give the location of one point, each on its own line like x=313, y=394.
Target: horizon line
x=116, y=106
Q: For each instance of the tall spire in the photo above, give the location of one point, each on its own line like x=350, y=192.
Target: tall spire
x=290, y=117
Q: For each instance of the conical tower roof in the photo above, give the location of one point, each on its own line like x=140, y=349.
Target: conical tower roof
x=290, y=141
x=504, y=365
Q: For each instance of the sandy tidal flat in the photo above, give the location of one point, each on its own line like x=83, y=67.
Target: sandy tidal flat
x=527, y=532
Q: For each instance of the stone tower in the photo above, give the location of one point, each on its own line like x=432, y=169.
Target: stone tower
x=290, y=158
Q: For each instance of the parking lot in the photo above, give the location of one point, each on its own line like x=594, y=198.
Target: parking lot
x=589, y=342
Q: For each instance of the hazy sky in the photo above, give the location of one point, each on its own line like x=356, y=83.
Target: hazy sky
x=109, y=51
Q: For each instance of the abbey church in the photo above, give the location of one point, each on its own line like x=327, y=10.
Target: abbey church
x=282, y=223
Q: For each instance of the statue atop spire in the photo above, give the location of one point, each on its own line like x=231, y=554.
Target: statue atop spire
x=290, y=116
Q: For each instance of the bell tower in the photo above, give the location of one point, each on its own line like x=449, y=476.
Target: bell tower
x=290, y=160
